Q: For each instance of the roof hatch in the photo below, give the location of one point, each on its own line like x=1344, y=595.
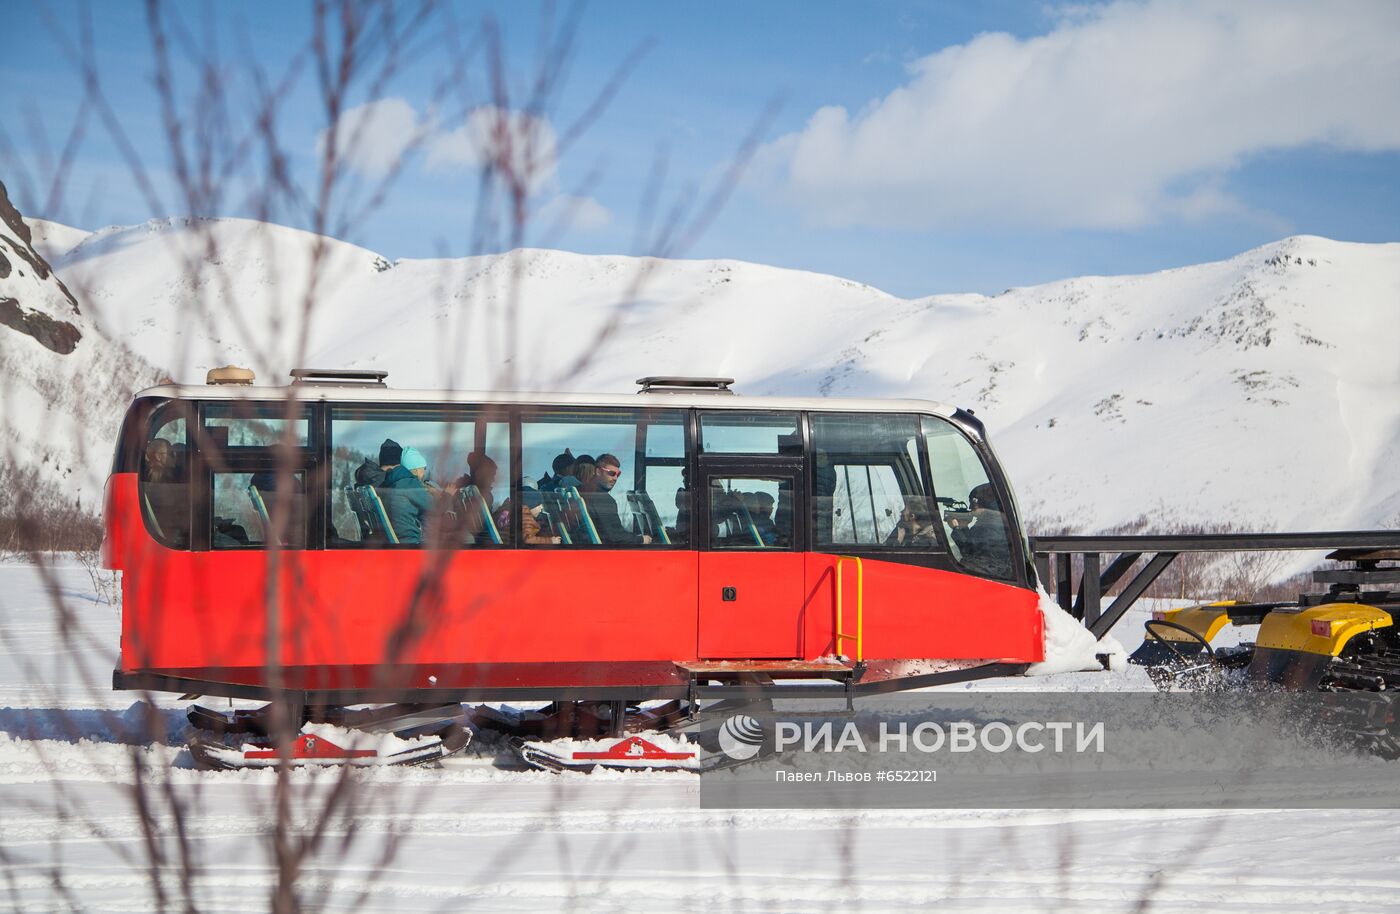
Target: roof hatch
x=338, y=377
x=670, y=384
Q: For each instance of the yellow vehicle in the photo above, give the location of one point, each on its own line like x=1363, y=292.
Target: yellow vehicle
x=1343, y=640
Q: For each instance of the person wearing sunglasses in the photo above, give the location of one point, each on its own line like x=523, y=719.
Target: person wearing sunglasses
x=602, y=507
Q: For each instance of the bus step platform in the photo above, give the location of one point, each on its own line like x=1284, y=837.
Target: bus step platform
x=771, y=669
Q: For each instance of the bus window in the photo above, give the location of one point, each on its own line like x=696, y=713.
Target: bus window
x=381, y=496
x=608, y=477
x=750, y=513
x=969, y=505
x=238, y=424
x=760, y=434
x=165, y=498
x=866, y=484
x=249, y=509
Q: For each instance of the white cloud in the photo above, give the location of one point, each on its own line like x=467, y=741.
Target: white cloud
x=372, y=137
x=577, y=214
x=516, y=142
x=1122, y=115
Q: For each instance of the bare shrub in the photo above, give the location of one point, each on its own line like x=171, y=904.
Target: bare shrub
x=37, y=515
x=105, y=584
x=219, y=158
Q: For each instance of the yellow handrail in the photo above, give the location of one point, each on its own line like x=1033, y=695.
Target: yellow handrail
x=859, y=636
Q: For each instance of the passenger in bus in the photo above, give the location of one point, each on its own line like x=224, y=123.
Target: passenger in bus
x=165, y=492
x=586, y=473
x=160, y=462
x=915, y=529
x=726, y=517
x=481, y=473
x=407, y=500
x=982, y=541
x=390, y=453
x=531, y=533
x=568, y=476
x=602, y=507
x=760, y=507
x=369, y=473
x=562, y=466
x=682, y=528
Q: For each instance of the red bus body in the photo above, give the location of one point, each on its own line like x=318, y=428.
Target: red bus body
x=349, y=626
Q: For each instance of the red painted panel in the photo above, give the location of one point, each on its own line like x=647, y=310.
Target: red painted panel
x=917, y=613
x=764, y=621
x=190, y=610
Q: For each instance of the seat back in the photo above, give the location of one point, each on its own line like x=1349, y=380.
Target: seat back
x=585, y=520
x=371, y=530
x=555, y=510
x=645, y=508
x=260, y=508
x=473, y=501
x=746, y=523
x=374, y=514
x=640, y=522
x=753, y=531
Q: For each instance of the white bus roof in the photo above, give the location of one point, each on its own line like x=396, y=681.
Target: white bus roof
x=375, y=394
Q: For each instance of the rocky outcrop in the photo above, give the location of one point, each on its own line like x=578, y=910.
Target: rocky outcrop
x=33, y=301
x=60, y=336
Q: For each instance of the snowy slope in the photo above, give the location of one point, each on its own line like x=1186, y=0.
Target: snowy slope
x=64, y=385
x=1263, y=389
x=54, y=239
x=190, y=294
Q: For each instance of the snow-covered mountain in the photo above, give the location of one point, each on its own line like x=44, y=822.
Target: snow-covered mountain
x=65, y=385
x=1263, y=390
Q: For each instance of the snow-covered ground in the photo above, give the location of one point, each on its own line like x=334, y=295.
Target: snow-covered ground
x=471, y=836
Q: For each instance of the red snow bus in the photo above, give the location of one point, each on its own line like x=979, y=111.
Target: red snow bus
x=713, y=541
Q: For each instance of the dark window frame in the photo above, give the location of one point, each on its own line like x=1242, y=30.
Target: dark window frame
x=315, y=460
x=144, y=418
x=305, y=458
x=479, y=414
x=748, y=467
x=964, y=424
x=254, y=466
x=799, y=427
x=880, y=549
x=529, y=412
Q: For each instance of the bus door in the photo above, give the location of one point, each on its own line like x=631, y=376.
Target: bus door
x=751, y=559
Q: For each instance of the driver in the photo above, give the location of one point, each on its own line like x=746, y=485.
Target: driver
x=983, y=540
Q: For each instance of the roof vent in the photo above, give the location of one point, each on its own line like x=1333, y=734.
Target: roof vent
x=337, y=377
x=230, y=374
x=666, y=384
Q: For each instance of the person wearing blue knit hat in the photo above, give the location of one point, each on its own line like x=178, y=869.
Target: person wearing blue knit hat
x=413, y=461
x=406, y=499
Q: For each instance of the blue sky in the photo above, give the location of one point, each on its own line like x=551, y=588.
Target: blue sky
x=921, y=147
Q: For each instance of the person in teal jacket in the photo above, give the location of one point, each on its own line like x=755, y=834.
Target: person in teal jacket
x=406, y=499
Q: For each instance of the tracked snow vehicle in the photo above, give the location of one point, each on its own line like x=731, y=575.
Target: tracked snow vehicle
x=336, y=543
x=365, y=561
x=1344, y=639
